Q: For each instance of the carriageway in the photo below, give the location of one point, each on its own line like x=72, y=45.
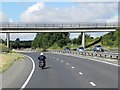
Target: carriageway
x=71, y=27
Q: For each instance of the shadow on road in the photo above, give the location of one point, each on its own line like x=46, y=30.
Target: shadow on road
x=47, y=67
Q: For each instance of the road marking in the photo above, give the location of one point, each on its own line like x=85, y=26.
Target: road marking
x=29, y=77
x=57, y=59
x=94, y=60
x=67, y=64
x=93, y=84
x=73, y=67
x=106, y=62
x=80, y=73
x=61, y=61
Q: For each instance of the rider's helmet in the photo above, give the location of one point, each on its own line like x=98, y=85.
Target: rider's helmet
x=41, y=53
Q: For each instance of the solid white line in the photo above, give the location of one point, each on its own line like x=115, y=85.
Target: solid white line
x=73, y=67
x=93, y=84
x=107, y=63
x=80, y=73
x=29, y=77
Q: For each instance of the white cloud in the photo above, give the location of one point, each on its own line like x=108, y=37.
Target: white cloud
x=3, y=17
x=82, y=12
x=29, y=13
x=36, y=7
x=113, y=19
x=10, y=20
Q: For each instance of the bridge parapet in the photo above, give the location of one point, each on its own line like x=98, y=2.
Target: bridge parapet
x=57, y=25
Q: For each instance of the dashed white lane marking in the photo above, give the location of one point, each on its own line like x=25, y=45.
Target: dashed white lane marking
x=93, y=84
x=29, y=77
x=57, y=59
x=80, y=73
x=61, y=61
x=73, y=67
x=67, y=64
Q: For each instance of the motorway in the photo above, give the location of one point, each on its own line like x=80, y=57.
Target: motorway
x=61, y=72
x=72, y=72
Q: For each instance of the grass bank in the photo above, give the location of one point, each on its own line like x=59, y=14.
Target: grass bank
x=7, y=59
x=74, y=46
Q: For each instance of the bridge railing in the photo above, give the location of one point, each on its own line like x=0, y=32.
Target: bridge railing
x=57, y=25
x=87, y=53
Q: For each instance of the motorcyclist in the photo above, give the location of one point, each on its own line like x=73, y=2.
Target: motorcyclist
x=42, y=58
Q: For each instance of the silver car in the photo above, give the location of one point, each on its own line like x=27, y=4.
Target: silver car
x=98, y=48
x=80, y=49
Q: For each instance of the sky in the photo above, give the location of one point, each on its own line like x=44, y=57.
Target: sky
x=19, y=11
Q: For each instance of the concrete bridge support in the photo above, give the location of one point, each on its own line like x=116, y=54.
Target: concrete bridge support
x=83, y=39
x=8, y=39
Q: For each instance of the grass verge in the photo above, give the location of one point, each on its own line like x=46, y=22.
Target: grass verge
x=7, y=59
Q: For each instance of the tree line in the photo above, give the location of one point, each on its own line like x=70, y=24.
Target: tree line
x=46, y=40
x=17, y=44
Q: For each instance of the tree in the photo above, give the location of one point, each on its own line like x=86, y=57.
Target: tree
x=79, y=40
x=74, y=41
x=2, y=41
x=17, y=43
x=46, y=40
x=111, y=39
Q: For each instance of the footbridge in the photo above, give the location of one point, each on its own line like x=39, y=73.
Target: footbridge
x=56, y=27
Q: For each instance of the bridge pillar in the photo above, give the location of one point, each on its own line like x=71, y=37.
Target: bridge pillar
x=83, y=39
x=8, y=39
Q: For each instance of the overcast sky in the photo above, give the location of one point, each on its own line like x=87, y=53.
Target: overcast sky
x=94, y=11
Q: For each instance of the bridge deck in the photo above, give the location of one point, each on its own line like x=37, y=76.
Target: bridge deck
x=57, y=27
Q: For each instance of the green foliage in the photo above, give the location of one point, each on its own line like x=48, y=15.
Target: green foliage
x=78, y=40
x=2, y=41
x=111, y=39
x=20, y=44
x=54, y=46
x=46, y=40
x=88, y=39
x=17, y=42
x=3, y=47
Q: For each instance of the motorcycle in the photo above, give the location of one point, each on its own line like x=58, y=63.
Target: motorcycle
x=41, y=64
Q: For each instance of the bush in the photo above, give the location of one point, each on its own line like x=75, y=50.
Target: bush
x=4, y=48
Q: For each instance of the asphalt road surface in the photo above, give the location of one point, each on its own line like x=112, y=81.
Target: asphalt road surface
x=72, y=72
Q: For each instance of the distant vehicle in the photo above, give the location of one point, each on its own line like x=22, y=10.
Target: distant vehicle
x=98, y=48
x=67, y=49
x=80, y=49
